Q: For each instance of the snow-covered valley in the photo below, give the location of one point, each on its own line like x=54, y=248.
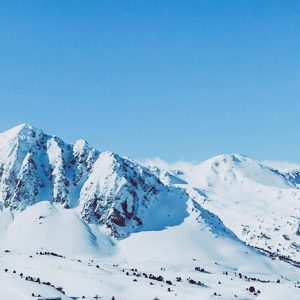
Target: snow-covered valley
x=79, y=222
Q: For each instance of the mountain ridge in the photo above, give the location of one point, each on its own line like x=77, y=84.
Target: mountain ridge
x=119, y=193
x=107, y=189
x=78, y=221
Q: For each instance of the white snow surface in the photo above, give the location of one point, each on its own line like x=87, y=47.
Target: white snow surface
x=89, y=223
x=259, y=204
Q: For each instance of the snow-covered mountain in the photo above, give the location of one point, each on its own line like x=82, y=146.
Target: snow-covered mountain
x=105, y=188
x=259, y=204
x=93, y=222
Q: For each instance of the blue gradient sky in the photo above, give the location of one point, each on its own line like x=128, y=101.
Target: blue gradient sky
x=175, y=79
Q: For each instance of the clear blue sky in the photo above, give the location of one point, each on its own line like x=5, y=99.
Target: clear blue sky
x=177, y=79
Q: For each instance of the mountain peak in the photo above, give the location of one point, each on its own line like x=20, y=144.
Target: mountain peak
x=231, y=157
x=21, y=130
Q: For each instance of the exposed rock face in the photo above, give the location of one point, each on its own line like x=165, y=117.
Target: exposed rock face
x=293, y=176
x=259, y=205
x=118, y=192
x=105, y=188
x=35, y=166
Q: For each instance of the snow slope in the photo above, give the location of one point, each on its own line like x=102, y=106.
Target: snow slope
x=123, y=268
x=75, y=221
x=260, y=205
x=49, y=227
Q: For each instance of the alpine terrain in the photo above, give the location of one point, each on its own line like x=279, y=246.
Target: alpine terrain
x=82, y=223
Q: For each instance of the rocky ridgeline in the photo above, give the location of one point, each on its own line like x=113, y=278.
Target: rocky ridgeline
x=106, y=188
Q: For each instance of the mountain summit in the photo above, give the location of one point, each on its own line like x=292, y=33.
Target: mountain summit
x=71, y=213
x=106, y=188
